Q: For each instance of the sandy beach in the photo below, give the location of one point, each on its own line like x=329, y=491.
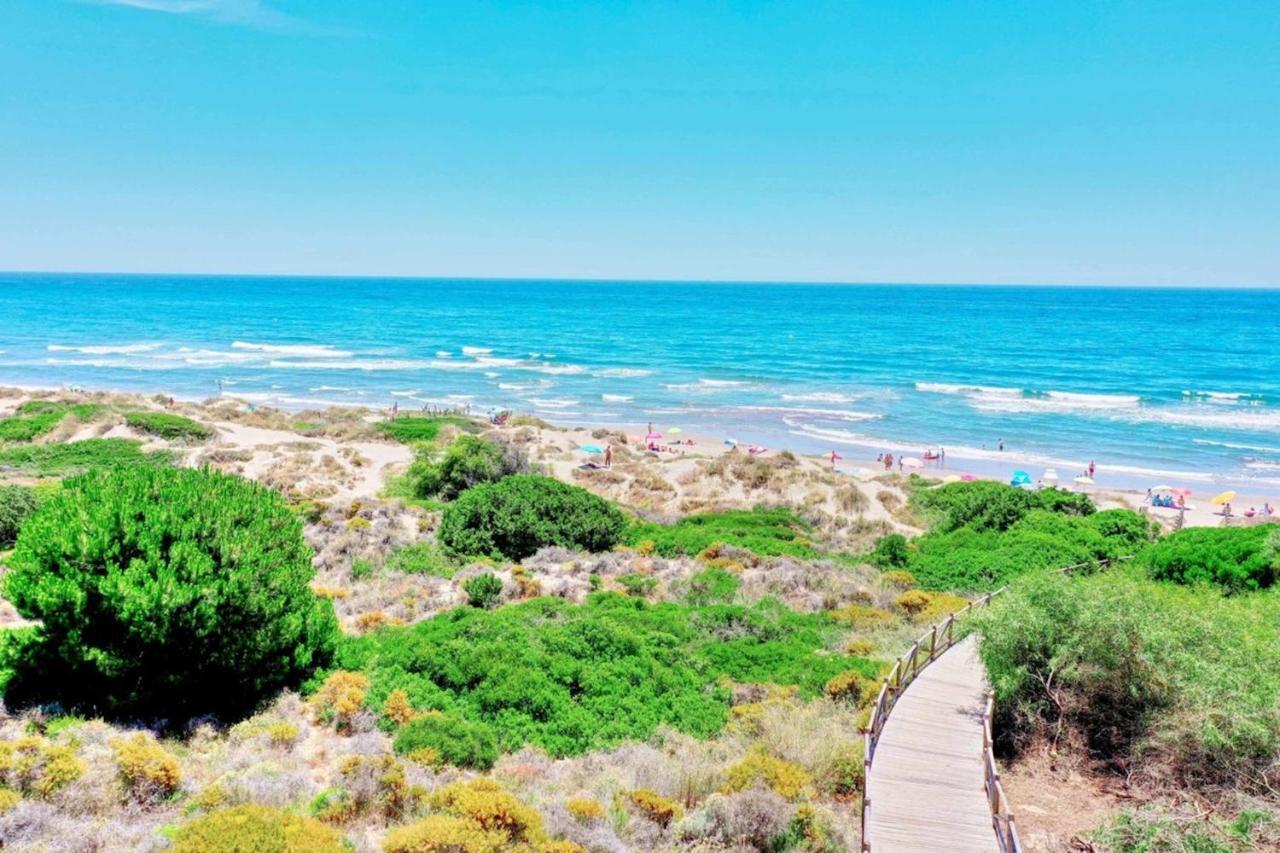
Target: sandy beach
x=355, y=461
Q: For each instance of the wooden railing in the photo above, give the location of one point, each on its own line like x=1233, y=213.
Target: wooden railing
x=1001, y=817
x=904, y=671
x=923, y=652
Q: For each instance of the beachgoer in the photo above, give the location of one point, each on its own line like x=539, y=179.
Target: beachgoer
x=1268, y=510
x=608, y=457
x=1226, y=510
x=650, y=432
x=888, y=462
x=899, y=464
x=1092, y=467
x=834, y=457
x=1000, y=444
x=1250, y=512
x=1182, y=501
x=942, y=456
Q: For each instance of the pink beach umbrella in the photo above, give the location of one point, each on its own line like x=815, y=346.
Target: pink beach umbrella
x=1180, y=491
x=912, y=462
x=968, y=478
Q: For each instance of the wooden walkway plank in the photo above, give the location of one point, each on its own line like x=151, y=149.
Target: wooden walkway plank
x=925, y=785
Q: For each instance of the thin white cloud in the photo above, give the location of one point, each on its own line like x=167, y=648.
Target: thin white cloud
x=249, y=13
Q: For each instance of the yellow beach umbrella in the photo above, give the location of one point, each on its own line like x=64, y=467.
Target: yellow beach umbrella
x=1225, y=497
x=674, y=431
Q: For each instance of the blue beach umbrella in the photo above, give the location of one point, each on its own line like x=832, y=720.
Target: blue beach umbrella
x=1020, y=478
x=591, y=448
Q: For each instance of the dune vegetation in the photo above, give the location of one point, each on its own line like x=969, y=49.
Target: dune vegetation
x=219, y=646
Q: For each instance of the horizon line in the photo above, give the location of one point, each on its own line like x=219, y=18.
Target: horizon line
x=659, y=280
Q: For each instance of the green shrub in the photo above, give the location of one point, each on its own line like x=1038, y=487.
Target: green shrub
x=516, y=516
x=411, y=428
x=164, y=592
x=713, y=586
x=570, y=678
x=421, y=558
x=637, y=584
x=58, y=460
x=1175, y=680
x=483, y=590
x=468, y=461
x=891, y=552
x=1063, y=502
x=456, y=741
x=37, y=417
x=767, y=532
x=256, y=829
x=16, y=503
x=980, y=505
x=168, y=426
x=1234, y=558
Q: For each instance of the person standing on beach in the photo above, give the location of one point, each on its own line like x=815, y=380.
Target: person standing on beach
x=888, y=462
x=834, y=457
x=1000, y=444
x=608, y=456
x=1092, y=468
x=942, y=457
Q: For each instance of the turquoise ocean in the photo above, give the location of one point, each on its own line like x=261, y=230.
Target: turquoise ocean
x=1172, y=385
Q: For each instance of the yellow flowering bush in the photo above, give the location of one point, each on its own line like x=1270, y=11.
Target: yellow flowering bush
x=444, y=834
x=584, y=810
x=256, y=829
x=339, y=699
x=850, y=686
x=784, y=778
x=148, y=771
x=654, y=806
x=36, y=767
x=397, y=708
x=489, y=806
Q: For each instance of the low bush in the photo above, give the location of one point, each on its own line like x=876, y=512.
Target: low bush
x=1168, y=679
x=164, y=593
x=786, y=779
x=516, y=516
x=38, y=768
x=411, y=428
x=340, y=697
x=569, y=678
x=891, y=552
x=168, y=426
x=443, y=834
x=256, y=829
x=147, y=770
x=713, y=586
x=489, y=806
x=1234, y=558
x=60, y=460
x=639, y=585
x=766, y=532
x=38, y=417
x=455, y=741
x=16, y=503
x=468, y=461
x=652, y=805
x=585, y=810
x=422, y=558
x=483, y=591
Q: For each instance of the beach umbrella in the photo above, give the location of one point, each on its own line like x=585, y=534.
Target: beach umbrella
x=731, y=442
x=1084, y=480
x=1020, y=478
x=591, y=448
x=912, y=462
x=675, y=431
x=1224, y=498
x=653, y=436
x=968, y=478
x=1180, y=491
x=1050, y=475
x=1162, y=488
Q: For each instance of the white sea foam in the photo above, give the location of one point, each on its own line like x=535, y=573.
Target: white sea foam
x=105, y=349
x=443, y=353
x=554, y=369
x=839, y=414
x=476, y=350
x=1260, y=448
x=621, y=373
x=616, y=398
x=561, y=403
x=536, y=385
x=820, y=397
x=297, y=350
x=947, y=388
x=1226, y=397
x=412, y=392
x=315, y=389
x=352, y=364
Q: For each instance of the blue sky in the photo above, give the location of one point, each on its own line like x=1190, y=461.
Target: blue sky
x=1081, y=142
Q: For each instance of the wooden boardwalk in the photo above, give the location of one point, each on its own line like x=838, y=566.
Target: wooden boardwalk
x=925, y=787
